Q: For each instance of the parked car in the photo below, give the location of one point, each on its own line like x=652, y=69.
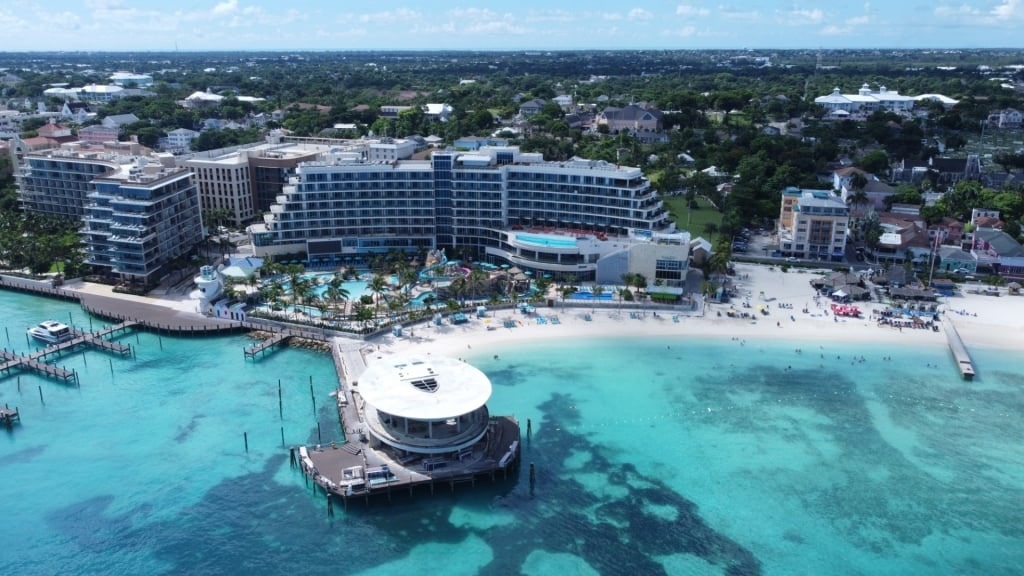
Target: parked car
x=792, y=259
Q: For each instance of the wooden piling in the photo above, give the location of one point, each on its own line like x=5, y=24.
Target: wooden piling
x=245, y=435
x=43, y=402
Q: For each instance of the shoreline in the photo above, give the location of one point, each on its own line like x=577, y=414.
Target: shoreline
x=982, y=321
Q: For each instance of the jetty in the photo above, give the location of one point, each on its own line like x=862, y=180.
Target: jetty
x=956, y=346
x=268, y=344
x=9, y=417
x=12, y=360
x=356, y=468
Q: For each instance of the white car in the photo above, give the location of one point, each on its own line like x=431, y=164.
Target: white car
x=792, y=259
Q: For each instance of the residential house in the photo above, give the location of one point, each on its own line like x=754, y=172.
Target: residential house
x=57, y=132
x=531, y=107
x=904, y=237
x=875, y=190
x=100, y=92
x=954, y=258
x=997, y=251
x=392, y=111
x=985, y=218
x=1007, y=119
x=77, y=112
x=119, y=121
x=179, y=140
x=98, y=134
x=439, y=112
x=630, y=118
x=563, y=100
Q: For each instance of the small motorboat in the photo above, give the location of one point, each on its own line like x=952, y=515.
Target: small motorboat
x=51, y=332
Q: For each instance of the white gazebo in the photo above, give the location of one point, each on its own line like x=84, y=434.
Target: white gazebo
x=424, y=404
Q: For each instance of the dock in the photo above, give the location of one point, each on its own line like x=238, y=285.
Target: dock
x=268, y=344
x=956, y=346
x=9, y=417
x=354, y=469
x=12, y=361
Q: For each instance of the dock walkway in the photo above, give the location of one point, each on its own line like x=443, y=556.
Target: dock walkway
x=9, y=417
x=12, y=360
x=956, y=346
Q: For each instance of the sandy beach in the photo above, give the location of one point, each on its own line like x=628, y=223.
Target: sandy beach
x=985, y=321
x=988, y=322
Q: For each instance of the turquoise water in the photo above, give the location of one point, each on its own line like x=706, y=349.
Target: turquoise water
x=652, y=457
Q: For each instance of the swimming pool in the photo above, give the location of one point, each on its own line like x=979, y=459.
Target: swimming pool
x=591, y=296
x=547, y=241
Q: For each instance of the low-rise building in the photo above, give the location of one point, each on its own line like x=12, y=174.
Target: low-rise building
x=98, y=134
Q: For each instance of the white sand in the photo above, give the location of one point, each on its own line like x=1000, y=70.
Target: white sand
x=990, y=322
x=995, y=326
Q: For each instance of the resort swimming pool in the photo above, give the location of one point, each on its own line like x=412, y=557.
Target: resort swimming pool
x=547, y=241
x=591, y=296
x=355, y=288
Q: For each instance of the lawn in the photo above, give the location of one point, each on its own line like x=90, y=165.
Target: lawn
x=693, y=221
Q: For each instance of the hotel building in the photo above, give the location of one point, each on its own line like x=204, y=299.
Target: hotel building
x=813, y=224
x=138, y=212
x=498, y=203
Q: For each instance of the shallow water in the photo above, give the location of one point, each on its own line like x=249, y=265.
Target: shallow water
x=652, y=456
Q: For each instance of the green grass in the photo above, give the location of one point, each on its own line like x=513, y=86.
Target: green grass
x=698, y=218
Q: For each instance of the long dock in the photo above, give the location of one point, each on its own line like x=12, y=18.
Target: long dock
x=956, y=346
x=35, y=360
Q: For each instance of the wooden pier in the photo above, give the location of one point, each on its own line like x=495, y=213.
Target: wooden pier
x=956, y=346
x=268, y=344
x=9, y=417
x=12, y=361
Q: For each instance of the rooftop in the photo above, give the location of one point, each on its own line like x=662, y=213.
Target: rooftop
x=424, y=387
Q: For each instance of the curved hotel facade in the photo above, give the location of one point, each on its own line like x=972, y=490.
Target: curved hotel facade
x=504, y=205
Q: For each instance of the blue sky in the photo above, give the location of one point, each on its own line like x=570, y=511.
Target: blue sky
x=522, y=24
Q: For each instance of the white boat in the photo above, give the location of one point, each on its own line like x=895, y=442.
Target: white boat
x=51, y=332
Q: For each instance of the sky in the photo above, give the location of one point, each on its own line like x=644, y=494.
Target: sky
x=195, y=25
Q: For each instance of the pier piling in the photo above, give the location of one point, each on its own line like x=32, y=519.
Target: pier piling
x=111, y=362
x=282, y=436
x=245, y=436
x=533, y=478
x=311, y=395
x=529, y=429
x=280, y=406
x=41, y=401
x=319, y=440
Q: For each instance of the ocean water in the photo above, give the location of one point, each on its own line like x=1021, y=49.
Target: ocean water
x=652, y=456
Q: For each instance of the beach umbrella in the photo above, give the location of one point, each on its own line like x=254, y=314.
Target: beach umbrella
x=547, y=275
x=504, y=266
x=528, y=273
x=515, y=270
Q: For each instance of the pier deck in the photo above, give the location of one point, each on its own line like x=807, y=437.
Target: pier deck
x=379, y=471
x=269, y=343
x=12, y=360
x=8, y=416
x=956, y=346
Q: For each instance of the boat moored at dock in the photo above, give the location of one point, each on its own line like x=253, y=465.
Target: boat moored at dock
x=51, y=332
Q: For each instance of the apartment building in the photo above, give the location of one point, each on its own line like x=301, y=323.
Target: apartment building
x=138, y=211
x=813, y=224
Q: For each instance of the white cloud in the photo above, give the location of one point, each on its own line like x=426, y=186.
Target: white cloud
x=799, y=17
x=496, y=27
x=730, y=13
x=956, y=11
x=389, y=16
x=691, y=11
x=1009, y=10
x=611, y=16
x=639, y=14
x=549, y=16
x=225, y=8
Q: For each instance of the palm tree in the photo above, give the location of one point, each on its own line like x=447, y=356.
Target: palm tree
x=477, y=278
x=629, y=279
x=378, y=285
x=598, y=290
x=640, y=281
x=336, y=291
x=566, y=291
x=459, y=287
